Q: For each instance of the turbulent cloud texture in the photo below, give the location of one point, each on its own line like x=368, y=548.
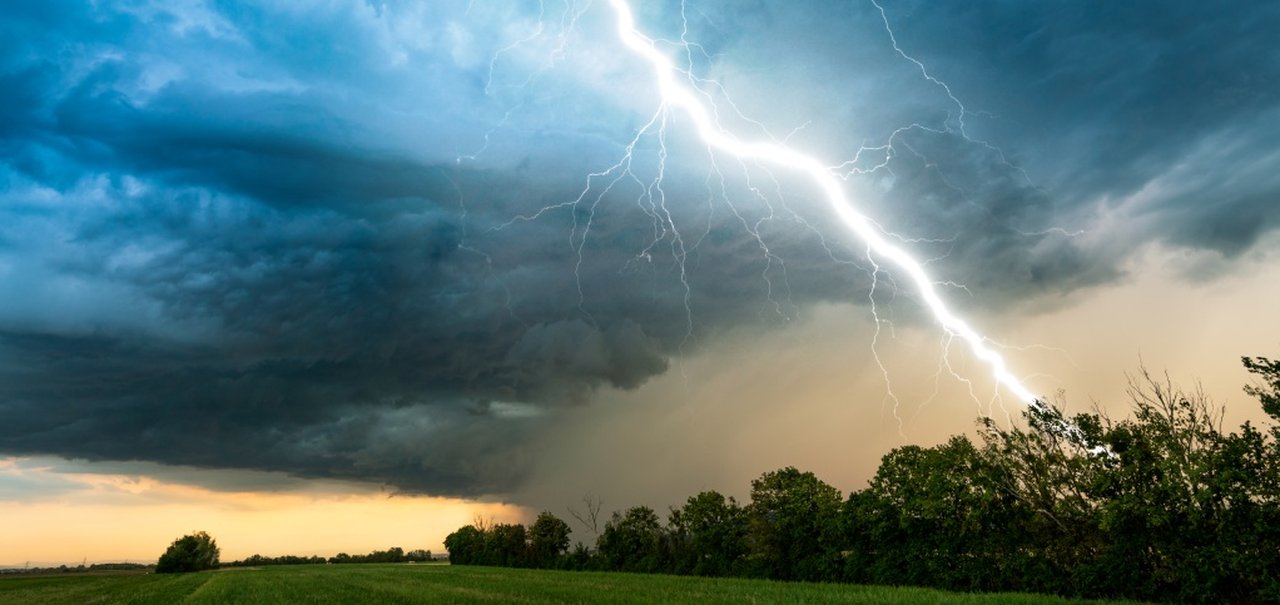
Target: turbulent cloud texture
x=306, y=237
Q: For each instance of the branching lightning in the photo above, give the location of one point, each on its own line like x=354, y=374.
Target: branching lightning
x=677, y=95
x=704, y=102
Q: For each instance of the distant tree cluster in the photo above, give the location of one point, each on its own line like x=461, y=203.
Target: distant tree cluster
x=543, y=544
x=195, y=552
x=1164, y=505
x=394, y=554
x=257, y=560
x=95, y=568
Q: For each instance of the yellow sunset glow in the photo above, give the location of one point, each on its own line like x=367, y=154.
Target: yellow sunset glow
x=109, y=517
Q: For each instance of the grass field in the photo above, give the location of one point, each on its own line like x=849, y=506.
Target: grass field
x=375, y=583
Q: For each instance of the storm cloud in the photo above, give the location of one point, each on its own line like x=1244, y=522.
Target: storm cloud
x=338, y=240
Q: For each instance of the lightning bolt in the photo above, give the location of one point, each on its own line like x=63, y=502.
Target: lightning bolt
x=694, y=97
x=675, y=94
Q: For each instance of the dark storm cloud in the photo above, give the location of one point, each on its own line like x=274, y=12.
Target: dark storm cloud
x=247, y=237
x=1152, y=113
x=1100, y=100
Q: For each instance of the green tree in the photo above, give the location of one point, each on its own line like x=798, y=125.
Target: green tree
x=1264, y=462
x=1267, y=393
x=937, y=516
x=794, y=526
x=579, y=558
x=465, y=546
x=194, y=552
x=548, y=540
x=395, y=554
x=506, y=545
x=1052, y=468
x=1162, y=505
x=1179, y=501
x=708, y=535
x=631, y=541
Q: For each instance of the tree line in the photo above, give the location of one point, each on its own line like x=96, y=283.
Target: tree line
x=395, y=554
x=199, y=551
x=95, y=568
x=1164, y=504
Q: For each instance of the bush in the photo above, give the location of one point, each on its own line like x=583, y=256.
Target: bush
x=195, y=552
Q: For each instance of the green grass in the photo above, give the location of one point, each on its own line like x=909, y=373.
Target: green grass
x=375, y=583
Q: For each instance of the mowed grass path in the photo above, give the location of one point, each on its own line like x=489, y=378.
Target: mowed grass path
x=373, y=583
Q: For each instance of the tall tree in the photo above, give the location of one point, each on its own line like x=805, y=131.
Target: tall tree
x=1052, y=467
x=466, y=546
x=548, y=540
x=507, y=545
x=708, y=535
x=631, y=541
x=1164, y=504
x=794, y=526
x=938, y=516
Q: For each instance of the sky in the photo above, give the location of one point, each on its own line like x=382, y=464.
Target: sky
x=382, y=268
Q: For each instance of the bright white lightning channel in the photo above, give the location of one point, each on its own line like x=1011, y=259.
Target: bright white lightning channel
x=674, y=94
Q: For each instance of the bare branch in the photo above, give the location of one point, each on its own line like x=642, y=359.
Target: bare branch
x=590, y=517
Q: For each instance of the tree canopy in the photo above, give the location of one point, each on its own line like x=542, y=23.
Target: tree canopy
x=1165, y=504
x=194, y=552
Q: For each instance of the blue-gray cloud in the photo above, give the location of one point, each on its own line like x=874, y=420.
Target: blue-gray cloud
x=288, y=237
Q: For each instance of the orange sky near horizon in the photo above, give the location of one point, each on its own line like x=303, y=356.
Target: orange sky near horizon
x=109, y=518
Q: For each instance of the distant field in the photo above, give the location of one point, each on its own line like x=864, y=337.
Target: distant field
x=378, y=583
